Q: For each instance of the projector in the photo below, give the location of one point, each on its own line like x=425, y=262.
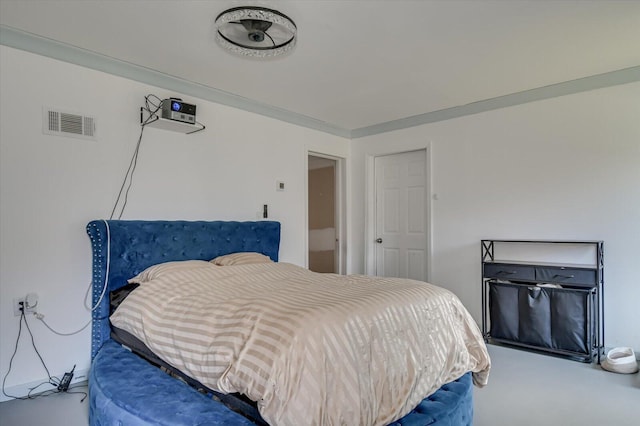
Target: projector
x=175, y=109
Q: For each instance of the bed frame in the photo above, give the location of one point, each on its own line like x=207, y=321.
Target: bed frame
x=126, y=389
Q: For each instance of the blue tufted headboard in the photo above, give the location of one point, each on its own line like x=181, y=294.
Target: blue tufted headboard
x=123, y=248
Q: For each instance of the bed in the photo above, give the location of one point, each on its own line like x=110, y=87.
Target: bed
x=132, y=388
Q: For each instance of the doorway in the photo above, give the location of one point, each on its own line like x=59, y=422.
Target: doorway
x=401, y=231
x=324, y=217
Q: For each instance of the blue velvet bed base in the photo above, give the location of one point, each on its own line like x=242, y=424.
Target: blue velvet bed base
x=126, y=390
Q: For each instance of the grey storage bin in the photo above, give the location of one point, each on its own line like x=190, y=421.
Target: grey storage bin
x=569, y=315
x=535, y=316
x=553, y=318
x=503, y=311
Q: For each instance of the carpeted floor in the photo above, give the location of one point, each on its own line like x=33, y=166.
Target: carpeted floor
x=531, y=389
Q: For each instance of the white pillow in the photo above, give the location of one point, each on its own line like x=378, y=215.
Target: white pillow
x=243, y=258
x=154, y=271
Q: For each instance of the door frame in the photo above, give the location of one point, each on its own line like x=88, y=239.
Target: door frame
x=370, y=210
x=340, y=206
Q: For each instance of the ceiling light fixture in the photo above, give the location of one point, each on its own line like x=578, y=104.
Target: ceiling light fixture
x=256, y=31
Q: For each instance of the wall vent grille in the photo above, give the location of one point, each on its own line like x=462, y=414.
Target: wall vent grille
x=62, y=123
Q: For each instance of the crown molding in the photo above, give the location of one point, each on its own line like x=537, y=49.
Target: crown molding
x=613, y=78
x=29, y=42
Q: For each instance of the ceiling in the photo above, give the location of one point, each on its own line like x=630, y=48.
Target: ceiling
x=357, y=64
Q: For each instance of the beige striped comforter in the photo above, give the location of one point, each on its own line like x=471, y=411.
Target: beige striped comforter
x=311, y=349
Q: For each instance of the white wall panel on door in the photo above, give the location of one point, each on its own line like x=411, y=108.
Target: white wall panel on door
x=400, y=221
x=391, y=213
x=391, y=258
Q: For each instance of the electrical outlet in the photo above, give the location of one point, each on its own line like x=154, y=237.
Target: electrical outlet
x=29, y=303
x=18, y=302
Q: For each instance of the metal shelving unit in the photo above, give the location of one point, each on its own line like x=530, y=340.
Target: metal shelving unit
x=563, y=317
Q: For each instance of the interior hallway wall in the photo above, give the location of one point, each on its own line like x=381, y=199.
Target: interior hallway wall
x=322, y=226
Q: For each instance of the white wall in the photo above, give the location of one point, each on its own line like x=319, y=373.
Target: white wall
x=564, y=168
x=52, y=186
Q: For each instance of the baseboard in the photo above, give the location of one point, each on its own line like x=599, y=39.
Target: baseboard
x=22, y=390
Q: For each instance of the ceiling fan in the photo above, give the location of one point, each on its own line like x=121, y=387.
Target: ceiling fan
x=255, y=31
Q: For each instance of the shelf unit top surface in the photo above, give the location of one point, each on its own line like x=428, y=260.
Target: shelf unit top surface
x=546, y=241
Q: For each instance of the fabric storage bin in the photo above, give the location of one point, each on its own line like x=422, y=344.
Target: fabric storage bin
x=544, y=317
x=568, y=276
x=503, y=310
x=569, y=315
x=508, y=271
x=534, y=304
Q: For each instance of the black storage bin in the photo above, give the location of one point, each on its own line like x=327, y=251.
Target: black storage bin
x=544, y=317
x=503, y=310
x=535, y=316
x=569, y=314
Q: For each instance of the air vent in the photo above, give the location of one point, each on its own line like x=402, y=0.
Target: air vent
x=61, y=123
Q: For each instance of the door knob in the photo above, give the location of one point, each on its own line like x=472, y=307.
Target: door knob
x=379, y=240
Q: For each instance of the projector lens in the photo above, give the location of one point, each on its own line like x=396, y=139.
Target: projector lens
x=175, y=106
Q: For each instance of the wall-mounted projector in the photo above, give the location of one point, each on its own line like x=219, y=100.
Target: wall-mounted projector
x=170, y=114
x=175, y=109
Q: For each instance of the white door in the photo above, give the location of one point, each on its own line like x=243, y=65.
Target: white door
x=401, y=215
